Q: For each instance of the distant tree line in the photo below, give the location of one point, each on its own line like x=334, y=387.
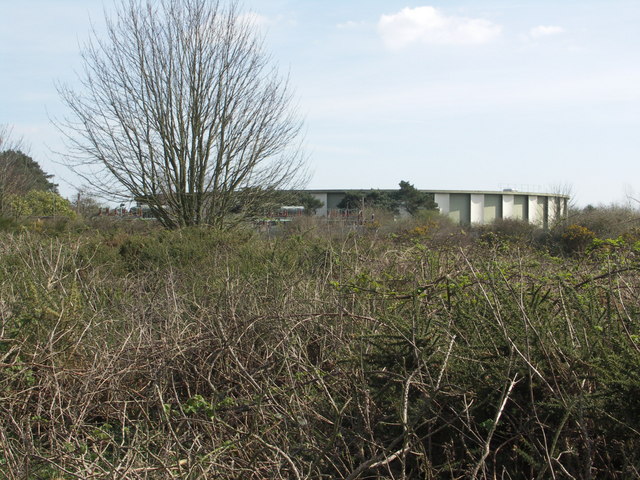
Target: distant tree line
x=407, y=198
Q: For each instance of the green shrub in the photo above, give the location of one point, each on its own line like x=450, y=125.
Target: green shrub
x=40, y=204
x=577, y=238
x=7, y=224
x=204, y=354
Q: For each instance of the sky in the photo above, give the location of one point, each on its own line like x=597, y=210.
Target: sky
x=534, y=95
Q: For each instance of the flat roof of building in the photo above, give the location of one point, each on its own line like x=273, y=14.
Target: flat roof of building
x=470, y=192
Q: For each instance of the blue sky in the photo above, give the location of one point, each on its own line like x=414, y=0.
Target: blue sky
x=445, y=94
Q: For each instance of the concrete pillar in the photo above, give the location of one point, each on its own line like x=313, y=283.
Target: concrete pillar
x=533, y=209
x=507, y=206
x=553, y=209
x=444, y=202
x=477, y=208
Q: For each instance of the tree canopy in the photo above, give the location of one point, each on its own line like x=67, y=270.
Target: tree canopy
x=407, y=198
x=182, y=109
x=301, y=198
x=20, y=174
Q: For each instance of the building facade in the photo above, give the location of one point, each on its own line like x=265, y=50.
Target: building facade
x=477, y=207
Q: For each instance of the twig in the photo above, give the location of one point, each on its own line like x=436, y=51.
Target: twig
x=487, y=443
x=378, y=460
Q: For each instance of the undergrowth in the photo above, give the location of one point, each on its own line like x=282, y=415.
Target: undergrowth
x=415, y=353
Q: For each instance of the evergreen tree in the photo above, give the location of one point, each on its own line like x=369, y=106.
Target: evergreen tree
x=20, y=174
x=406, y=198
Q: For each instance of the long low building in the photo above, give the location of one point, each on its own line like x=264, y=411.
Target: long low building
x=476, y=206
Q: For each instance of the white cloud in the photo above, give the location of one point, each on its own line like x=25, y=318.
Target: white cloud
x=545, y=31
x=428, y=25
x=349, y=25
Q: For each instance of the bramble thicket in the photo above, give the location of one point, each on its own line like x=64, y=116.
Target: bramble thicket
x=393, y=350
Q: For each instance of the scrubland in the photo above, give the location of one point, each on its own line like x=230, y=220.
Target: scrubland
x=319, y=351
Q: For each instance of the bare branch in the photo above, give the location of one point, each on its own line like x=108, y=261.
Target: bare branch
x=182, y=110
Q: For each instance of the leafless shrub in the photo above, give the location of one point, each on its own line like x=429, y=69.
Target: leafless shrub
x=607, y=221
x=312, y=357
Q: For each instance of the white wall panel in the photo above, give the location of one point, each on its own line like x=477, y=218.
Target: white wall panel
x=533, y=209
x=477, y=208
x=443, y=201
x=507, y=206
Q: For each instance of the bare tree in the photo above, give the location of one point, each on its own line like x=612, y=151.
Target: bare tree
x=182, y=110
x=6, y=139
x=10, y=183
x=7, y=178
x=562, y=205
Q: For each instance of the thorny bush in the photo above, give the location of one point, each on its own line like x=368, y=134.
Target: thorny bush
x=195, y=354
